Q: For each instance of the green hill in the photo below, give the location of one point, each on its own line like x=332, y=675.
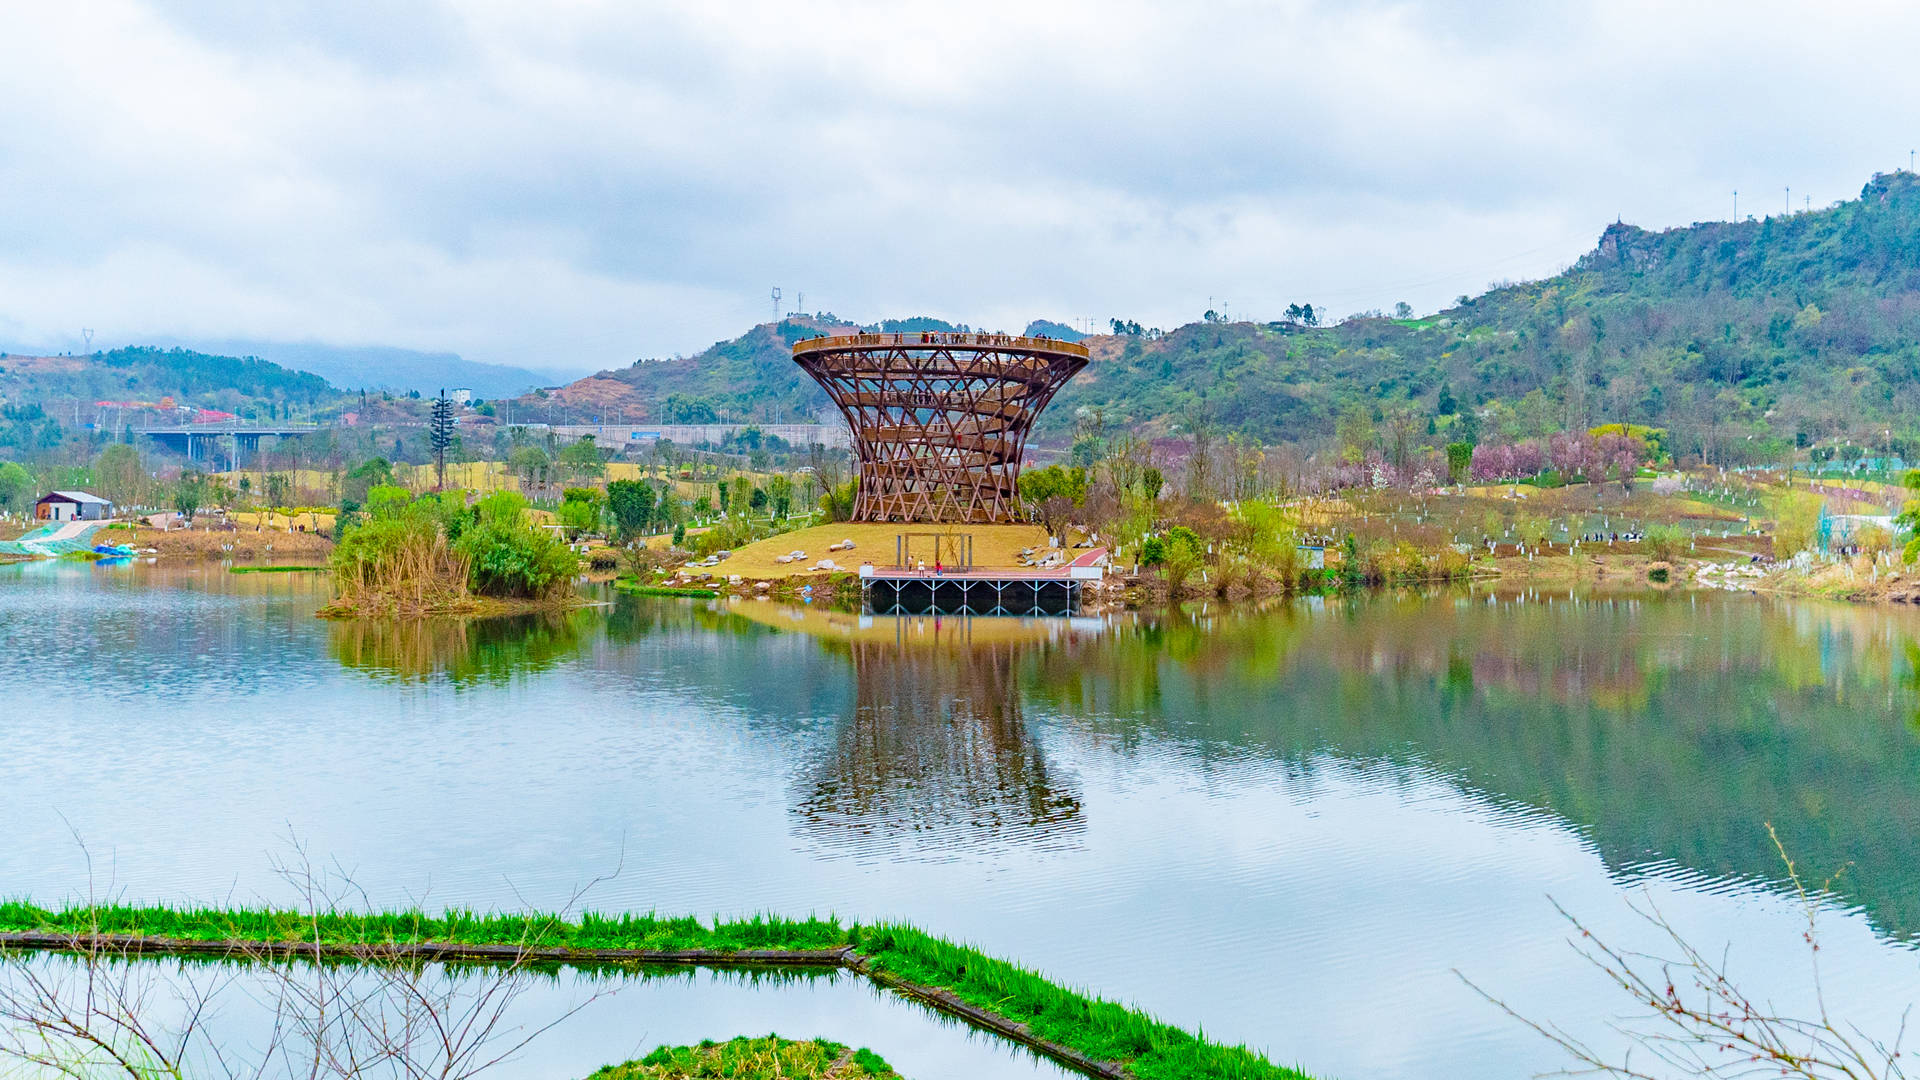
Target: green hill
x=147, y=373
x=43, y=399
x=1740, y=338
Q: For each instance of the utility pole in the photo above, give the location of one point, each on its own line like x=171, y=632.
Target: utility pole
x=1789, y=198
x=1736, y=204
x=440, y=437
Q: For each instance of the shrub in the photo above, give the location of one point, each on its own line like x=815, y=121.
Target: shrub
x=1153, y=551
x=1666, y=543
x=508, y=557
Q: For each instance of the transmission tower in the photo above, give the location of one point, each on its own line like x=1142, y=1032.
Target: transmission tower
x=776, y=305
x=440, y=437
x=86, y=334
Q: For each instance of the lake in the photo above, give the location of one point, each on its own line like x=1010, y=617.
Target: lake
x=1297, y=827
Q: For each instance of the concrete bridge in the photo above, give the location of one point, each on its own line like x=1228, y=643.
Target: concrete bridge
x=196, y=442
x=632, y=433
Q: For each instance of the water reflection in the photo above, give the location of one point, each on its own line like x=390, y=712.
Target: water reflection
x=935, y=755
x=463, y=651
x=1669, y=728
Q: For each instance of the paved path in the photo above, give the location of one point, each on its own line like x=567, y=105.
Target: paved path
x=53, y=539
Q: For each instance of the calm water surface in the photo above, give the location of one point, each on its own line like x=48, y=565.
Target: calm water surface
x=1297, y=828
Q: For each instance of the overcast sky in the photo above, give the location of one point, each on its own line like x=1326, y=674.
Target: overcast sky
x=576, y=184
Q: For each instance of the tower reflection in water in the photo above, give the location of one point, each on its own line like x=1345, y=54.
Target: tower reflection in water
x=936, y=756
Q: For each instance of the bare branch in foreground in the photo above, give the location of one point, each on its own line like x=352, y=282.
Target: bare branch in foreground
x=1695, y=1021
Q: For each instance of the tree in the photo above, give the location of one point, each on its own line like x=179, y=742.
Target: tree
x=117, y=473
x=1180, y=555
x=1052, y=494
x=371, y=473
x=631, y=504
x=1354, y=432
x=582, y=458
x=580, y=511
x=189, y=492
x=780, y=495
x=1403, y=310
x=440, y=437
x=279, y=490
x=16, y=486
x=1151, y=481
x=1459, y=461
x=530, y=464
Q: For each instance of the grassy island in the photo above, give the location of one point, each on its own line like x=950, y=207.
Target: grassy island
x=769, y=1058
x=1088, y=1034
x=436, y=555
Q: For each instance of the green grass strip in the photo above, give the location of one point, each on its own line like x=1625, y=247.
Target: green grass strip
x=635, y=589
x=1088, y=1026
x=769, y=1058
x=591, y=931
x=1095, y=1027
x=277, y=569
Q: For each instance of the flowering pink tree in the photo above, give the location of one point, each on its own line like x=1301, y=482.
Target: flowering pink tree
x=1528, y=459
x=1624, y=453
x=1574, y=453
x=1491, y=462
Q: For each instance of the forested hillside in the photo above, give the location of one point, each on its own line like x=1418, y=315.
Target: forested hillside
x=46, y=399
x=144, y=373
x=1742, y=339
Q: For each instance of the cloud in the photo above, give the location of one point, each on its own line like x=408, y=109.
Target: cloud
x=584, y=183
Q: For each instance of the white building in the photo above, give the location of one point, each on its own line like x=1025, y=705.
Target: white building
x=72, y=506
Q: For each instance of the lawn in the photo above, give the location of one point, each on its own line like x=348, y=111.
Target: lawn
x=993, y=545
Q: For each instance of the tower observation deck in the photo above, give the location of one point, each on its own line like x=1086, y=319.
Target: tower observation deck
x=939, y=420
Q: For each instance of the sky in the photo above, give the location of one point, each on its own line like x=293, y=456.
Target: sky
x=573, y=185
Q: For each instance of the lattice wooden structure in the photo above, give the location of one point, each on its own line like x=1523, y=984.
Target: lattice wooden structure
x=940, y=420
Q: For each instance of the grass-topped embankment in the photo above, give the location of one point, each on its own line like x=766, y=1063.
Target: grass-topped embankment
x=634, y=587
x=769, y=1058
x=1091, y=1035
x=270, y=926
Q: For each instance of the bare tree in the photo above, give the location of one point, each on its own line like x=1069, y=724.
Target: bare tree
x=1696, y=1022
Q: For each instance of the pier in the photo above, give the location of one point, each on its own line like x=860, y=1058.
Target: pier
x=917, y=590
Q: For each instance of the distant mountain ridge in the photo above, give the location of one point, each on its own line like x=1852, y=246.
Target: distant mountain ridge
x=380, y=367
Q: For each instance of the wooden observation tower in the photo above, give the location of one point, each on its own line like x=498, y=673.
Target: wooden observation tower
x=940, y=420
